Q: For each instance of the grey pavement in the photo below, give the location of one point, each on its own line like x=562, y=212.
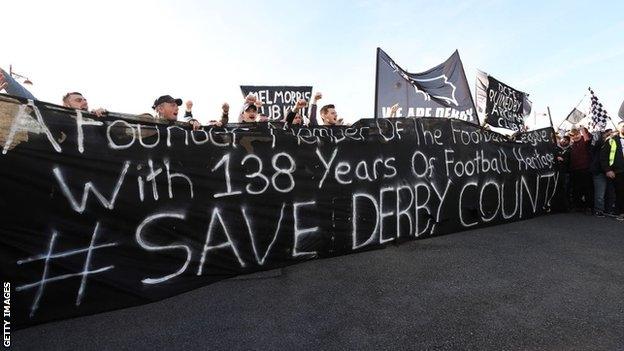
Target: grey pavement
x=550, y=283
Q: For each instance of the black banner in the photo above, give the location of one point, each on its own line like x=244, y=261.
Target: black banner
x=442, y=91
x=278, y=100
x=100, y=214
x=503, y=106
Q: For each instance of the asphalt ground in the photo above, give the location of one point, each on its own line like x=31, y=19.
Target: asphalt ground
x=550, y=283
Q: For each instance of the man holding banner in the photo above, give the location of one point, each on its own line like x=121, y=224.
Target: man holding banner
x=167, y=108
x=76, y=101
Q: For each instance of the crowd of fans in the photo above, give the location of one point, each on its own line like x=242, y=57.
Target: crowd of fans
x=167, y=108
x=592, y=170
x=591, y=165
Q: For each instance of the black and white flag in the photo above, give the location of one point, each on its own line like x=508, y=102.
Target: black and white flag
x=575, y=116
x=599, y=115
x=441, y=91
x=501, y=105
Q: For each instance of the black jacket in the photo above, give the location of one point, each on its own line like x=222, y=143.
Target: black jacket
x=564, y=153
x=596, y=154
x=311, y=112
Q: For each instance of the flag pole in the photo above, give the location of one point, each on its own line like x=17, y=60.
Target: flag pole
x=534, y=118
x=577, y=105
x=549, y=117
x=376, y=84
x=611, y=119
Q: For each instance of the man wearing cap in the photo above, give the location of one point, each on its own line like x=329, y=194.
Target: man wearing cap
x=612, y=161
x=166, y=107
x=249, y=111
x=249, y=114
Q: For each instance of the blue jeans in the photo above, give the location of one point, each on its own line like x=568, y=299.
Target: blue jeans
x=603, y=190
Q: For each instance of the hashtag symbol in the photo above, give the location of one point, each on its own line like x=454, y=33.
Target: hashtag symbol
x=49, y=255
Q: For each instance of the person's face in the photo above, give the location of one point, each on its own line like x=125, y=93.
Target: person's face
x=576, y=137
x=168, y=110
x=564, y=142
x=621, y=129
x=77, y=101
x=249, y=116
x=330, y=117
x=297, y=119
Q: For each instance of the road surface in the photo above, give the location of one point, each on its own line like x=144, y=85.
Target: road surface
x=551, y=283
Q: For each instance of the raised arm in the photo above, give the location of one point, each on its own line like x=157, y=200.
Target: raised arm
x=188, y=111
x=225, y=110
x=313, y=108
x=299, y=106
x=12, y=87
x=393, y=110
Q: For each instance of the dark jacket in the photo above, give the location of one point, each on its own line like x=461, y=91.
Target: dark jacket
x=596, y=146
x=311, y=113
x=564, y=153
x=580, y=158
x=618, y=160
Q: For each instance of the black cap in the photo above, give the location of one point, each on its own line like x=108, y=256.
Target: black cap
x=166, y=98
x=250, y=107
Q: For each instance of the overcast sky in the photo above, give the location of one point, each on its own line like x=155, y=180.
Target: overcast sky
x=124, y=54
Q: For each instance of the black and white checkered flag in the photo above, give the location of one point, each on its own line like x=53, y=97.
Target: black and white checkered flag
x=599, y=115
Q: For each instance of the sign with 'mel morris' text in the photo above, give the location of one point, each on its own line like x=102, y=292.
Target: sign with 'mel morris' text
x=277, y=101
